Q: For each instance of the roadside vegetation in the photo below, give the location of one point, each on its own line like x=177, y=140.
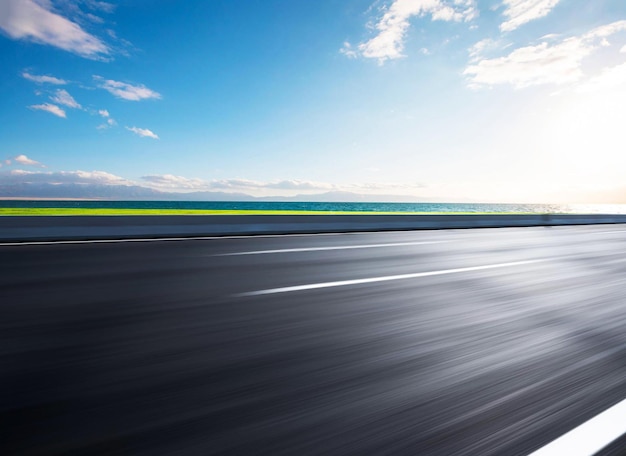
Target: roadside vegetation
x=30, y=211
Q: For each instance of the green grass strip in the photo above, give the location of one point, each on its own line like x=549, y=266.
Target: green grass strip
x=28, y=211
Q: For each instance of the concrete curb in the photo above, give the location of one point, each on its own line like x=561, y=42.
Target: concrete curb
x=19, y=228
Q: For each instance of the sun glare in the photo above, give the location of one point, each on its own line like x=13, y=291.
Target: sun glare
x=583, y=138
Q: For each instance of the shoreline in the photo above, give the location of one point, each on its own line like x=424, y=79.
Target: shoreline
x=82, y=212
x=73, y=208
x=94, y=227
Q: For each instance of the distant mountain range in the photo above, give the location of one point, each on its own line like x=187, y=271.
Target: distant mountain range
x=91, y=191
x=136, y=192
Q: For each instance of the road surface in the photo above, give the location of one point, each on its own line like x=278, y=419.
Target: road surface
x=451, y=342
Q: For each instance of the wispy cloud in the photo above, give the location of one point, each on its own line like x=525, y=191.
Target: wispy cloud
x=348, y=50
x=301, y=185
x=126, y=91
x=544, y=63
x=35, y=21
x=62, y=97
x=48, y=107
x=246, y=184
x=611, y=80
x=169, y=181
x=94, y=18
x=64, y=177
x=24, y=160
x=382, y=186
x=143, y=132
x=283, y=187
x=519, y=12
x=43, y=79
x=100, y=6
x=172, y=182
x=393, y=26
x=109, y=122
x=479, y=49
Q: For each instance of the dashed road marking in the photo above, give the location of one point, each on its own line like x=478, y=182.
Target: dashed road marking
x=591, y=436
x=342, y=283
x=319, y=249
x=167, y=239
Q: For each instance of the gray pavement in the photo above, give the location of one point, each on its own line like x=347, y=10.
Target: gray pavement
x=201, y=346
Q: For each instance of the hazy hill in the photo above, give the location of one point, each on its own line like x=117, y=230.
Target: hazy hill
x=136, y=192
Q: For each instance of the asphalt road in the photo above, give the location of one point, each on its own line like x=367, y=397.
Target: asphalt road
x=452, y=342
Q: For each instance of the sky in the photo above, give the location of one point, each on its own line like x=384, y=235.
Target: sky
x=443, y=100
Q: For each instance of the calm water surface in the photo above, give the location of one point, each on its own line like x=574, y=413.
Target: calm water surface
x=316, y=206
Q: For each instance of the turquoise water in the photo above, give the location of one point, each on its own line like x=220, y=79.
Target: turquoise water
x=349, y=207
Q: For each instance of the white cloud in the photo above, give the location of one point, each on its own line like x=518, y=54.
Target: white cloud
x=179, y=183
x=477, y=51
x=100, y=6
x=234, y=185
x=230, y=184
x=110, y=122
x=393, y=26
x=126, y=91
x=283, y=187
x=307, y=186
x=298, y=185
x=348, y=50
x=550, y=36
x=43, y=79
x=94, y=18
x=35, y=21
x=64, y=177
x=246, y=184
x=21, y=172
x=607, y=30
x=519, y=12
x=48, y=107
x=611, y=80
x=143, y=132
x=24, y=160
x=382, y=186
x=544, y=63
x=62, y=97
x=175, y=182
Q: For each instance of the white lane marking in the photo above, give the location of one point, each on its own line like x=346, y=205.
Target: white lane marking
x=341, y=247
x=166, y=239
x=607, y=232
x=104, y=241
x=591, y=436
x=342, y=283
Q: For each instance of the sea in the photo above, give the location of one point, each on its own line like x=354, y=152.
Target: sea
x=326, y=206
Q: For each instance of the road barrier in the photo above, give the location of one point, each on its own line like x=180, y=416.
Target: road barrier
x=33, y=228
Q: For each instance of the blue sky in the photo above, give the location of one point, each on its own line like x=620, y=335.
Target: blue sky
x=501, y=100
